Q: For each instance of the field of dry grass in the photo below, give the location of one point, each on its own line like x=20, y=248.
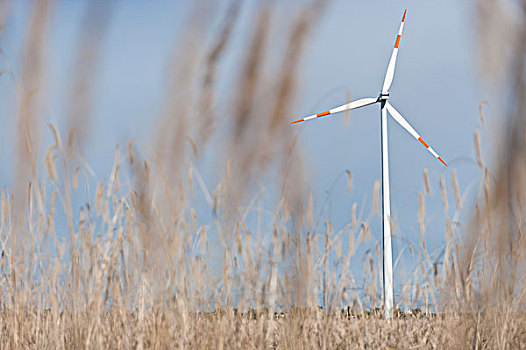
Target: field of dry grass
x=299, y=329
x=135, y=266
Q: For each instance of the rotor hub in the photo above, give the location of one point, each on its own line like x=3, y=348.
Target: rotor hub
x=384, y=96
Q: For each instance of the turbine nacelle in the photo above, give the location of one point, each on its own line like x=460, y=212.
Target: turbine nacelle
x=384, y=96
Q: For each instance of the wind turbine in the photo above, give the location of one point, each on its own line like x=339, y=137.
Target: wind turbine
x=385, y=107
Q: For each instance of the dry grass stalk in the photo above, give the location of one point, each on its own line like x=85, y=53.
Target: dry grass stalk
x=426, y=181
x=458, y=198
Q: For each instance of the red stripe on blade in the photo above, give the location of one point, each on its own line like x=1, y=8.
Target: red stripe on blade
x=297, y=121
x=397, y=42
x=440, y=159
x=423, y=142
x=323, y=114
x=403, y=19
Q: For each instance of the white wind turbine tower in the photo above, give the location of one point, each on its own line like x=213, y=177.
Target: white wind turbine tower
x=386, y=206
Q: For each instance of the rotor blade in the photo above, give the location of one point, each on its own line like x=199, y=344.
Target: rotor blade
x=392, y=63
x=352, y=105
x=398, y=117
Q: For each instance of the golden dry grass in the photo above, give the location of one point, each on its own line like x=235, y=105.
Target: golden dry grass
x=136, y=267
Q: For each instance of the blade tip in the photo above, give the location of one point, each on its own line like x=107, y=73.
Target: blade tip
x=440, y=159
x=297, y=121
x=403, y=19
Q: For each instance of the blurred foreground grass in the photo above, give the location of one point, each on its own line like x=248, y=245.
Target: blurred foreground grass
x=135, y=266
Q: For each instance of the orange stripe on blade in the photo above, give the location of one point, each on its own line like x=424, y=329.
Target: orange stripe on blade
x=397, y=42
x=423, y=142
x=323, y=114
x=297, y=121
x=403, y=19
x=440, y=159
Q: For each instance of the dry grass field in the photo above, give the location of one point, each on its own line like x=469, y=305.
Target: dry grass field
x=135, y=266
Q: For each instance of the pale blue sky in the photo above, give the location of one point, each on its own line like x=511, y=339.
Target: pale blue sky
x=435, y=88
